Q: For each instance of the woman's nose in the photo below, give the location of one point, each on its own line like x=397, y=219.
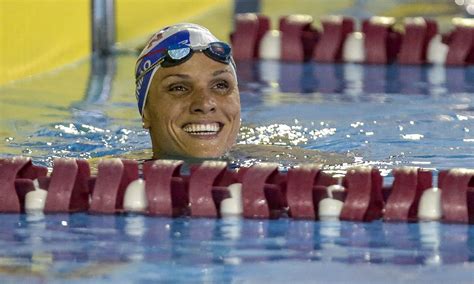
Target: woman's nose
x=203, y=103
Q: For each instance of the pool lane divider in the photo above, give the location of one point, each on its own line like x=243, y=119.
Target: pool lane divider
x=68, y=186
x=113, y=178
x=300, y=187
x=379, y=41
x=248, y=34
x=330, y=42
x=298, y=38
x=457, y=195
x=256, y=182
x=364, y=200
x=166, y=188
x=404, y=196
x=204, y=194
x=212, y=190
x=16, y=180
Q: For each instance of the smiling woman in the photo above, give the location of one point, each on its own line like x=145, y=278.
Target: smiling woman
x=188, y=94
x=193, y=111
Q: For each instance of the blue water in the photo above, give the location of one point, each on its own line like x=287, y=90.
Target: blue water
x=136, y=248
x=386, y=116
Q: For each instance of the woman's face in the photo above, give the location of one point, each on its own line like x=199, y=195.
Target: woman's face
x=193, y=109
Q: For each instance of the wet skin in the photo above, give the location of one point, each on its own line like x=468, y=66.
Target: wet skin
x=193, y=109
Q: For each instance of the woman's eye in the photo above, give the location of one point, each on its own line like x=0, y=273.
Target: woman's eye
x=221, y=85
x=177, y=89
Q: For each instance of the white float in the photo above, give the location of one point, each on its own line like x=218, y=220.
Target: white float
x=330, y=208
x=36, y=199
x=353, y=49
x=437, y=51
x=270, y=45
x=429, y=208
x=233, y=206
x=135, y=199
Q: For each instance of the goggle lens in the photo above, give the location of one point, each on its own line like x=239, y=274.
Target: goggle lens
x=220, y=50
x=179, y=53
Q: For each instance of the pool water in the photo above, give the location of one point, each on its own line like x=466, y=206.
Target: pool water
x=134, y=248
x=386, y=116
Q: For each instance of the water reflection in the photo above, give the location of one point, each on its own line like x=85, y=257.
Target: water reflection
x=135, y=228
x=404, y=243
x=82, y=246
x=430, y=237
x=90, y=110
x=287, y=77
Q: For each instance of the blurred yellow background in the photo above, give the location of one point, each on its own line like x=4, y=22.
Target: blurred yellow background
x=41, y=35
x=36, y=36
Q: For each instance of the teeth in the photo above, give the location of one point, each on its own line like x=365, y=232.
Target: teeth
x=202, y=129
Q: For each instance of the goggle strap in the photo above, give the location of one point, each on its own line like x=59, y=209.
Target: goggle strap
x=149, y=69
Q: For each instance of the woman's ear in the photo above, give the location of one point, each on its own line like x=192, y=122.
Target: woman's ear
x=146, y=119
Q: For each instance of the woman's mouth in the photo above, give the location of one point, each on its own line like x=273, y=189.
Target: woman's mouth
x=202, y=129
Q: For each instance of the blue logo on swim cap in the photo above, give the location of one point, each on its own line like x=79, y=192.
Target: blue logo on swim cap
x=144, y=74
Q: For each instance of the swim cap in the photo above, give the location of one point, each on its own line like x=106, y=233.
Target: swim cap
x=155, y=50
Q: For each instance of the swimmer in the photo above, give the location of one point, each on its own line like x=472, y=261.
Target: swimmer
x=188, y=98
x=187, y=93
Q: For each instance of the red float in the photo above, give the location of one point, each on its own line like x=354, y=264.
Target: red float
x=364, y=200
x=418, y=33
x=382, y=42
x=461, y=43
x=16, y=179
x=68, y=186
x=249, y=30
x=408, y=185
x=331, y=41
x=297, y=37
x=113, y=177
x=455, y=185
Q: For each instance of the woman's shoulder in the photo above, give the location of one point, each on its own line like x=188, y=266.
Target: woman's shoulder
x=248, y=154
x=285, y=155
x=140, y=156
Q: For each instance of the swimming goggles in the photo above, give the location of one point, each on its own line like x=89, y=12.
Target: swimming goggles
x=178, y=53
